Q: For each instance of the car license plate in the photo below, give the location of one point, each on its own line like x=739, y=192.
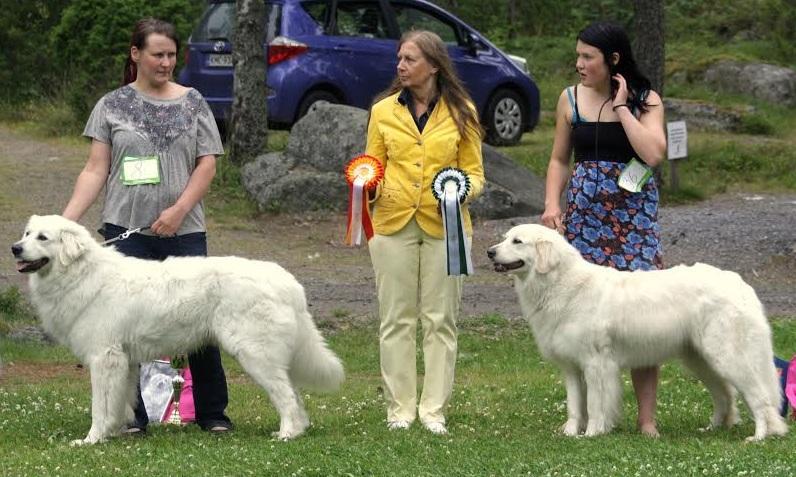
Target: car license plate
x=219, y=60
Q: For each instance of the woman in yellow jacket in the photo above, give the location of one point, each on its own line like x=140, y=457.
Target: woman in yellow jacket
x=423, y=122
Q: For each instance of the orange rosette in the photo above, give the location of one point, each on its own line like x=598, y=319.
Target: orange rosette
x=363, y=173
x=367, y=168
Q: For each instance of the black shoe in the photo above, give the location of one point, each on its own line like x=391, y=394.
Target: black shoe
x=133, y=431
x=216, y=426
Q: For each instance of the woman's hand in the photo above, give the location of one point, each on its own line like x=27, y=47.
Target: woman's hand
x=553, y=218
x=169, y=222
x=621, y=91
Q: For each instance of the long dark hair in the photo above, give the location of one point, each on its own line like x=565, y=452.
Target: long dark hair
x=611, y=38
x=143, y=28
x=448, y=84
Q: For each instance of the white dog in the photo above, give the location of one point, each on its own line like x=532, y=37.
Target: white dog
x=592, y=321
x=115, y=311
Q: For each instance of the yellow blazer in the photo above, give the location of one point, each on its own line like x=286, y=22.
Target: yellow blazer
x=411, y=160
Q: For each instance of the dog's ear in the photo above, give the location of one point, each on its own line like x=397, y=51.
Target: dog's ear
x=71, y=247
x=546, y=256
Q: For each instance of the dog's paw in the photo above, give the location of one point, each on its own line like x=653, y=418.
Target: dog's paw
x=83, y=442
x=571, y=428
x=285, y=435
x=596, y=428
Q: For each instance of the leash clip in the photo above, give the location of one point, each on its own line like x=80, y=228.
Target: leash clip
x=124, y=235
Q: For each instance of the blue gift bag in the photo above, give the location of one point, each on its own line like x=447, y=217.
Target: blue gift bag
x=782, y=371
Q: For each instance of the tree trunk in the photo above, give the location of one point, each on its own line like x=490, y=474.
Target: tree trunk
x=513, y=18
x=649, y=40
x=248, y=128
x=649, y=49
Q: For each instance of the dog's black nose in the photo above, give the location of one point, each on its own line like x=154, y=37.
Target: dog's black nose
x=490, y=253
x=16, y=250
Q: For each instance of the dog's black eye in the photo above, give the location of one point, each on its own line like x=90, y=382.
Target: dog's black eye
x=41, y=237
x=516, y=240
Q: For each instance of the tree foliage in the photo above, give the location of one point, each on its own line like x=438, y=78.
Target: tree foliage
x=91, y=41
x=711, y=21
x=24, y=62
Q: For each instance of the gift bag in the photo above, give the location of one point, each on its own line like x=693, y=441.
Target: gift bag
x=790, y=386
x=783, y=370
x=157, y=391
x=156, y=387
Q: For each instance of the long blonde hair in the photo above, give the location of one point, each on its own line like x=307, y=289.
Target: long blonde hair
x=448, y=84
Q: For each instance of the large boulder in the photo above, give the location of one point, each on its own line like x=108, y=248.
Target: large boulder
x=771, y=83
x=511, y=190
x=705, y=116
x=328, y=136
x=308, y=175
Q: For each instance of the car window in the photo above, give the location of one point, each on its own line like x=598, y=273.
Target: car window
x=364, y=19
x=411, y=18
x=218, y=22
x=317, y=10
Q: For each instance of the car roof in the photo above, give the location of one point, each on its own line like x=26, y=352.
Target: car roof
x=424, y=2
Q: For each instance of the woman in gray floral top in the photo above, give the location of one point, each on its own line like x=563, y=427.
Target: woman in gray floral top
x=153, y=148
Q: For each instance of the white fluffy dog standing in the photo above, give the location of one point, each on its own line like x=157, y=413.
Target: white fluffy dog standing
x=115, y=311
x=592, y=321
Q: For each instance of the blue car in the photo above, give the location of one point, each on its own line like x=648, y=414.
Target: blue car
x=344, y=51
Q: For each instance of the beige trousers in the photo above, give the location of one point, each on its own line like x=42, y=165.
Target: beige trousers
x=412, y=283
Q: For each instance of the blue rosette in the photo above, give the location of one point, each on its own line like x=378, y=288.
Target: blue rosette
x=450, y=187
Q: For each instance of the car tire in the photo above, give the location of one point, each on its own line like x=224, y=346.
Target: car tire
x=315, y=97
x=505, y=120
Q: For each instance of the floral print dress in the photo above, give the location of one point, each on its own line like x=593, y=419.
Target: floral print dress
x=609, y=225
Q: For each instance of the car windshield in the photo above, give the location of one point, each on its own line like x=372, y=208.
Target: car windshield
x=218, y=23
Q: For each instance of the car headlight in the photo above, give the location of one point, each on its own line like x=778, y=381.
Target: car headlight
x=521, y=62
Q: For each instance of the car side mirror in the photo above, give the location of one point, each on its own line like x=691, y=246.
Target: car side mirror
x=474, y=44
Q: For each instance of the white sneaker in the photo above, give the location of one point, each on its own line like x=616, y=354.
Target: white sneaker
x=398, y=425
x=436, y=427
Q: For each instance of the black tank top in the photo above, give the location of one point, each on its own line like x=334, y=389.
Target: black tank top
x=598, y=141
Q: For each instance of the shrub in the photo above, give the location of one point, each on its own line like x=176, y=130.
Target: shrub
x=24, y=65
x=14, y=306
x=92, y=43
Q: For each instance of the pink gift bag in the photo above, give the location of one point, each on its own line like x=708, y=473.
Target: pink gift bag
x=790, y=385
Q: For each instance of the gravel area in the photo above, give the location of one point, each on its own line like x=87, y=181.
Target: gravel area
x=752, y=234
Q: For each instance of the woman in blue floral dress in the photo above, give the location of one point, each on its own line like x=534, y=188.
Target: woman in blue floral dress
x=611, y=119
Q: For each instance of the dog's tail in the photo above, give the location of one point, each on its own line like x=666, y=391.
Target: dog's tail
x=315, y=367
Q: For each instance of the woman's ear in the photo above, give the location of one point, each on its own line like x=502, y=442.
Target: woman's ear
x=135, y=53
x=614, y=59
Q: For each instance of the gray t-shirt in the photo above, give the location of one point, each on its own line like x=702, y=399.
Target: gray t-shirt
x=177, y=131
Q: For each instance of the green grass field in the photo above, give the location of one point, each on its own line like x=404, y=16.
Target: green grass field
x=503, y=420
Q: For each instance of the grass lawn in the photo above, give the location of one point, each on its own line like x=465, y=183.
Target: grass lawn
x=503, y=419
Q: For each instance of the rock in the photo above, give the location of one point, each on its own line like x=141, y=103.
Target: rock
x=308, y=175
x=511, y=190
x=30, y=333
x=701, y=115
x=766, y=82
x=304, y=190
x=329, y=136
x=264, y=171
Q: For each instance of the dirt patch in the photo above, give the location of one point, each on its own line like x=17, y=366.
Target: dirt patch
x=27, y=372
x=752, y=234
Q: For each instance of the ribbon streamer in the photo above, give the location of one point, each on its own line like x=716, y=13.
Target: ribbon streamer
x=450, y=187
x=362, y=174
